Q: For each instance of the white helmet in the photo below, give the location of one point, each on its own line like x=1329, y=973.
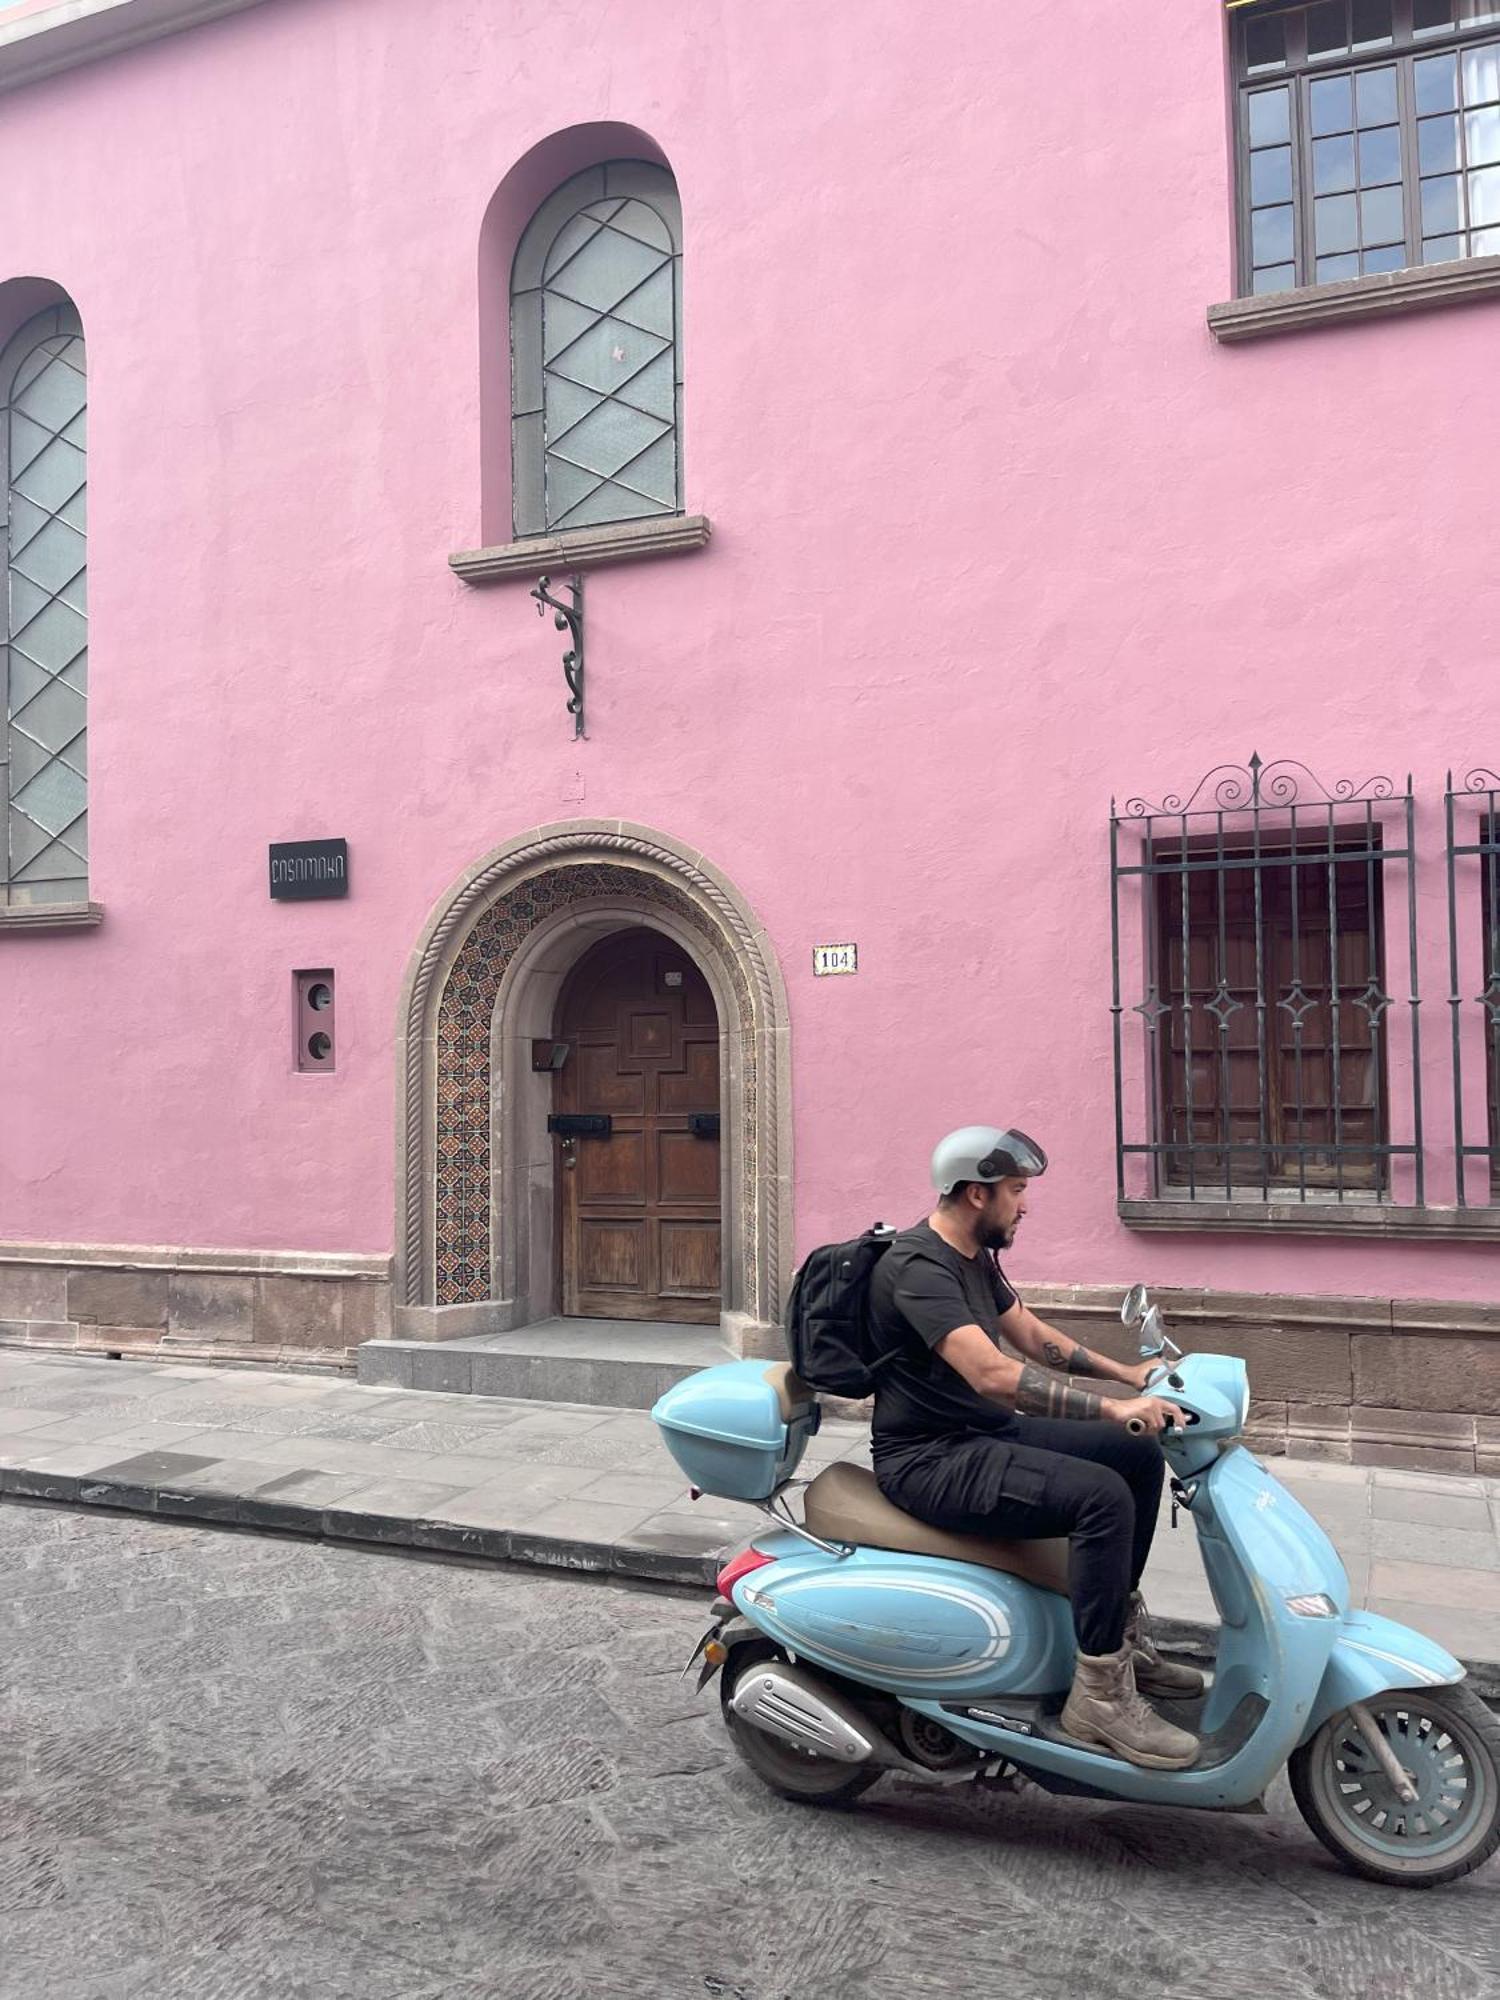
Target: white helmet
x=984, y=1153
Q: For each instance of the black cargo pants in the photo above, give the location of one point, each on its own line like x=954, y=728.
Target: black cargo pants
x=1095, y=1483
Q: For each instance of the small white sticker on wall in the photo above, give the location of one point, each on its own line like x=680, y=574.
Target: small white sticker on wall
x=829, y=959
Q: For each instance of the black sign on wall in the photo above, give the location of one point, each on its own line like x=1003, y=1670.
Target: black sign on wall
x=304, y=869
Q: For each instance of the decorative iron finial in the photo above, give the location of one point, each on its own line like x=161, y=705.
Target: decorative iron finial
x=1235, y=788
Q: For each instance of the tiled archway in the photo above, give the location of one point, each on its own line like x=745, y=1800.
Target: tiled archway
x=481, y=973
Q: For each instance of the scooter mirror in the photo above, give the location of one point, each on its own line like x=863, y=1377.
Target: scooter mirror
x=1153, y=1333
x=1135, y=1303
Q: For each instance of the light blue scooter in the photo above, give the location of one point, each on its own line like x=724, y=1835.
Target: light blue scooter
x=860, y=1641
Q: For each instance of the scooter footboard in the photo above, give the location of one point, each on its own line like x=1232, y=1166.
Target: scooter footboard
x=1372, y=1654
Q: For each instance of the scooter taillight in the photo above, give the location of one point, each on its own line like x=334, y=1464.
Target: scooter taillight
x=741, y=1565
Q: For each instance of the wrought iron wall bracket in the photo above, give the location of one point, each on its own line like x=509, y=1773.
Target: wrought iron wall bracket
x=568, y=617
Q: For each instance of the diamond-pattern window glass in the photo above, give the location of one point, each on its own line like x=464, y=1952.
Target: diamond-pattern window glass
x=42, y=462
x=596, y=351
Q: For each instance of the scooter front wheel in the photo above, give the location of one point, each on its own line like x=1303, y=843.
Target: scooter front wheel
x=795, y=1774
x=1448, y=1743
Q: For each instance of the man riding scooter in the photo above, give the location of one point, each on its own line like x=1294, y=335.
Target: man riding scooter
x=970, y=1438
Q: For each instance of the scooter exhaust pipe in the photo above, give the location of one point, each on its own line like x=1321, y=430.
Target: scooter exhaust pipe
x=804, y=1711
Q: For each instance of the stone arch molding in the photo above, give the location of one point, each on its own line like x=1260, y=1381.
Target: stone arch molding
x=474, y=1166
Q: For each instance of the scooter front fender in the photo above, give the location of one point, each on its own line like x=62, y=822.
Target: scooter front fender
x=1372, y=1655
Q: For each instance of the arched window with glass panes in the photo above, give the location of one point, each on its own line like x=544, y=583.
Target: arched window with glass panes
x=596, y=352
x=42, y=475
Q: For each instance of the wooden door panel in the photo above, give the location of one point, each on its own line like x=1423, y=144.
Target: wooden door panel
x=695, y=1085
x=612, y=1170
x=698, y=1009
x=687, y=1168
x=612, y=1256
x=639, y=1211
x=600, y=1083
x=650, y=1035
x=690, y=1259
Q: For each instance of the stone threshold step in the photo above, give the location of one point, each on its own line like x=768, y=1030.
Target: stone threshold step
x=618, y=1364
x=647, y=1556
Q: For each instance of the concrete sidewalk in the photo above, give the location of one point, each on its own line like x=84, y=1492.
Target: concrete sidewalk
x=591, y=1488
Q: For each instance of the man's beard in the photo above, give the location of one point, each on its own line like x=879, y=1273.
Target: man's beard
x=997, y=1235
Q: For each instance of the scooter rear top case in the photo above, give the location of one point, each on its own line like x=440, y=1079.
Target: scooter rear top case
x=858, y=1640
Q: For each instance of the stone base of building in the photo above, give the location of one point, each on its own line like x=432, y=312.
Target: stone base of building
x=1362, y=1381
x=290, y=1308
x=1408, y=1383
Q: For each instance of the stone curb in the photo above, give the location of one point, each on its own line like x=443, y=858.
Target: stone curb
x=343, y=1524
x=1184, y=1637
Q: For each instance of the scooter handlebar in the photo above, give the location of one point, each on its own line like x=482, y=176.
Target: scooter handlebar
x=1137, y=1426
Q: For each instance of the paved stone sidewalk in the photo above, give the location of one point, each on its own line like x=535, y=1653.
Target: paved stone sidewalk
x=589, y=1488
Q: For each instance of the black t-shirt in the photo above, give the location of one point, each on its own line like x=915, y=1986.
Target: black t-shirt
x=922, y=1289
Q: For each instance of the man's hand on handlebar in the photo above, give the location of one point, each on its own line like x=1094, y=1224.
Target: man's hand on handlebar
x=1139, y=1373
x=1146, y=1413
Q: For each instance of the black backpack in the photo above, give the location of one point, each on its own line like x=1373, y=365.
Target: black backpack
x=829, y=1333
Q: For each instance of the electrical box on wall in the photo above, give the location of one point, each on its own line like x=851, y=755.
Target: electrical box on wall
x=315, y=1033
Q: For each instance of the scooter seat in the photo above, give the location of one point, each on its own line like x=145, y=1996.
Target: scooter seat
x=844, y=1504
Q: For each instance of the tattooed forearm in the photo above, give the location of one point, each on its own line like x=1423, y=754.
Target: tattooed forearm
x=1074, y=1360
x=1039, y=1394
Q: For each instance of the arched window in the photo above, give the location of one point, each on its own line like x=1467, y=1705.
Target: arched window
x=596, y=374
x=42, y=475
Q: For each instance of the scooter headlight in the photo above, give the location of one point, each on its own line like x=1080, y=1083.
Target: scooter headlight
x=1312, y=1605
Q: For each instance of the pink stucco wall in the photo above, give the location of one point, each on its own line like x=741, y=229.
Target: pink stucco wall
x=999, y=531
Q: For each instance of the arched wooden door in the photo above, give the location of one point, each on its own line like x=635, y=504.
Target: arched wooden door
x=639, y=1209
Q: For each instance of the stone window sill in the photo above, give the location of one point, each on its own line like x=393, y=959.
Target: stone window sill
x=39, y=40
x=27, y=919
x=585, y=548
x=1315, y=1218
x=1418, y=290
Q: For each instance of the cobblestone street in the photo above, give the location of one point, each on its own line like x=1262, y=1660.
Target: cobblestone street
x=238, y=1767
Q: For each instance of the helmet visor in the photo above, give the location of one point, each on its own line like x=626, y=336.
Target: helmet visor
x=1013, y=1153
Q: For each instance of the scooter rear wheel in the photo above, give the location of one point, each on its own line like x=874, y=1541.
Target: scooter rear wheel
x=795, y=1774
x=1449, y=1743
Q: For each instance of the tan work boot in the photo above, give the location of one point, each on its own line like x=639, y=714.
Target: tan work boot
x=1155, y=1677
x=1105, y=1711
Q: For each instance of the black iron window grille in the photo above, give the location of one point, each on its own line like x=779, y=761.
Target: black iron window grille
x=1473, y=821
x=1367, y=137
x=1253, y=918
